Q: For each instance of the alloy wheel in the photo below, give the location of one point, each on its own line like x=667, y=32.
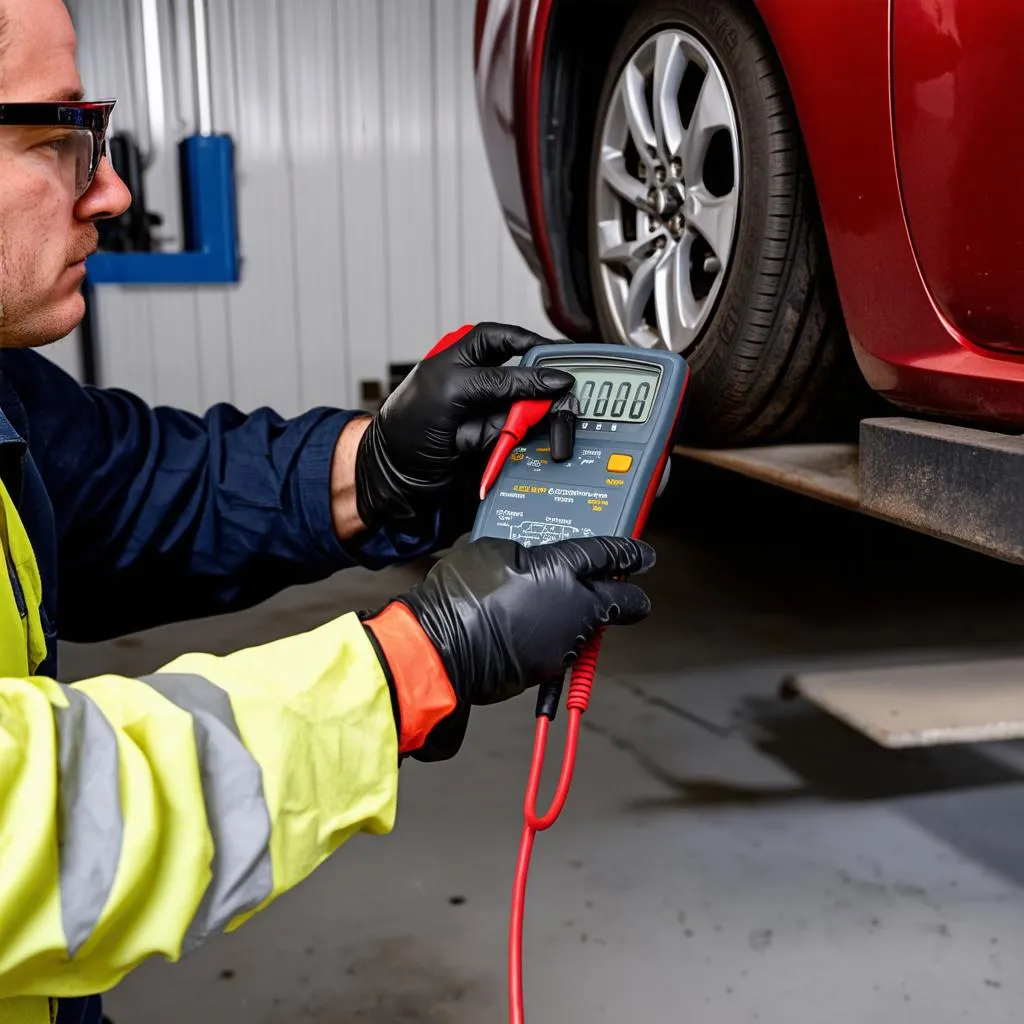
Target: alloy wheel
x=667, y=192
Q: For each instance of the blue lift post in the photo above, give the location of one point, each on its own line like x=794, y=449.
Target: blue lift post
x=210, y=214
x=208, y=197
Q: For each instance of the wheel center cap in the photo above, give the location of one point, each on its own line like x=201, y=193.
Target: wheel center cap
x=670, y=202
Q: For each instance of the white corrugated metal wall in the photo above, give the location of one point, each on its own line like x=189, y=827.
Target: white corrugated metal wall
x=368, y=220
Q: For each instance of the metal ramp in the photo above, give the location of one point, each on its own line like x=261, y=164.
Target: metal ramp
x=957, y=484
x=923, y=705
x=960, y=485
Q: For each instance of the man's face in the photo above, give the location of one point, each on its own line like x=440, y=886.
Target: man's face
x=45, y=233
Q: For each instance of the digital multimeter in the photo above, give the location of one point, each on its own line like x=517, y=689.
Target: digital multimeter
x=630, y=405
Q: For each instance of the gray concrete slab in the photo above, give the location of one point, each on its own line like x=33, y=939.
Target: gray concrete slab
x=724, y=856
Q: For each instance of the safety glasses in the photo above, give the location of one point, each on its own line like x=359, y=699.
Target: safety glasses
x=80, y=137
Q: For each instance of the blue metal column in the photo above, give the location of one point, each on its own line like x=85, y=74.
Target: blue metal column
x=209, y=205
x=208, y=192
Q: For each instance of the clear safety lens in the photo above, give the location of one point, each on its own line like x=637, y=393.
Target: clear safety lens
x=78, y=160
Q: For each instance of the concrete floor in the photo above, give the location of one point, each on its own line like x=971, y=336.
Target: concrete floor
x=724, y=856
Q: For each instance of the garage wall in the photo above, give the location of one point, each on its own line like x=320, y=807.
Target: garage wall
x=368, y=220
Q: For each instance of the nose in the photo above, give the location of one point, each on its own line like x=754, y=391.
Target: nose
x=108, y=196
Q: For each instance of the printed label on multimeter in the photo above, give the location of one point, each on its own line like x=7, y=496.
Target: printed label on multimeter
x=629, y=406
x=581, y=498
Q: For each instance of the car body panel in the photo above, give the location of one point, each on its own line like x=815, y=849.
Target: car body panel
x=837, y=59
x=497, y=28
x=956, y=70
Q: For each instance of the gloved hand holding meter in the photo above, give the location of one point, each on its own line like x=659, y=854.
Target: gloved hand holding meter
x=570, y=514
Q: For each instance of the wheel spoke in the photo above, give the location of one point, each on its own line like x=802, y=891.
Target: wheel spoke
x=634, y=102
x=712, y=113
x=714, y=217
x=669, y=65
x=678, y=310
x=639, y=294
x=629, y=255
x=620, y=181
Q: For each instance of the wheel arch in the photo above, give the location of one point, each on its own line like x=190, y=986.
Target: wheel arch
x=581, y=37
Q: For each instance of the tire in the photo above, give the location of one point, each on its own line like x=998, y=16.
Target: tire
x=772, y=360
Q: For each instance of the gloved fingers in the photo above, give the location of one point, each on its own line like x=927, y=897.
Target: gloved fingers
x=490, y=344
x=622, y=603
x=450, y=341
x=494, y=388
x=594, y=558
x=480, y=434
x=566, y=403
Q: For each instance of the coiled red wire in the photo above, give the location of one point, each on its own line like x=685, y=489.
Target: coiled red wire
x=580, y=685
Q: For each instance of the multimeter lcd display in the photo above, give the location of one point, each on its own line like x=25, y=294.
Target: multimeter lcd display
x=613, y=391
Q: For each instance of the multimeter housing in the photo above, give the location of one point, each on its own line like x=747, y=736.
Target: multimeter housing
x=607, y=487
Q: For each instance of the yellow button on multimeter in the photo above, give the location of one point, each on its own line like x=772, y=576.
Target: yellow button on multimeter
x=620, y=463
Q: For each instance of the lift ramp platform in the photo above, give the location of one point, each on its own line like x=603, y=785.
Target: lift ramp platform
x=958, y=484
x=961, y=485
x=923, y=705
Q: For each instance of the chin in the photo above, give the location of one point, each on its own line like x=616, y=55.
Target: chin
x=48, y=326
x=72, y=314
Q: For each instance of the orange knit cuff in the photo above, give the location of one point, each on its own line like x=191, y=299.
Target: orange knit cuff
x=423, y=691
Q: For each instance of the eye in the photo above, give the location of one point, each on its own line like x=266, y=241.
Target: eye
x=56, y=144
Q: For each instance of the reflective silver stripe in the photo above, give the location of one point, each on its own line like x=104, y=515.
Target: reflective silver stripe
x=90, y=827
x=236, y=810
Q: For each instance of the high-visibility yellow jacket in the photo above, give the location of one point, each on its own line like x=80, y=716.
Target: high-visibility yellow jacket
x=139, y=816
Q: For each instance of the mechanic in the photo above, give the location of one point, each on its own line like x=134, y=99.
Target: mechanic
x=142, y=816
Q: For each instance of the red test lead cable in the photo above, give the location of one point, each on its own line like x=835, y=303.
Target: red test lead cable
x=580, y=684
x=523, y=416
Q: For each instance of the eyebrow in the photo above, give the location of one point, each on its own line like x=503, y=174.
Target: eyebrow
x=68, y=96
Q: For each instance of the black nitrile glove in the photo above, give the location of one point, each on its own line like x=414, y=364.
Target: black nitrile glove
x=504, y=618
x=451, y=406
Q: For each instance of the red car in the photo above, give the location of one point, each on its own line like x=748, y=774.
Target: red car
x=799, y=195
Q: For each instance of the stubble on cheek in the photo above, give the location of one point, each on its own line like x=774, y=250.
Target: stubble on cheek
x=36, y=302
